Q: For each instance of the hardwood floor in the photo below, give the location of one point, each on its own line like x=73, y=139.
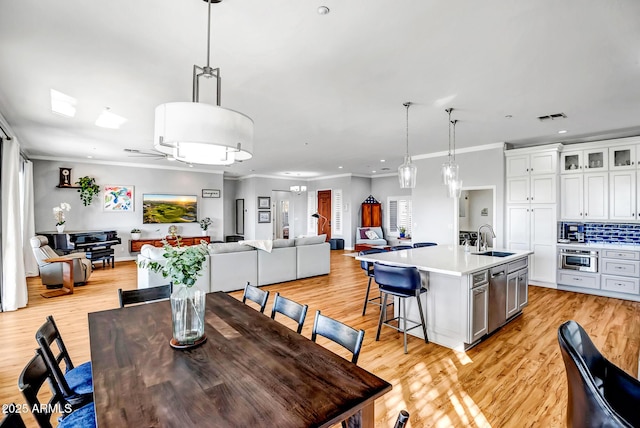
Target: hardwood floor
x=515, y=378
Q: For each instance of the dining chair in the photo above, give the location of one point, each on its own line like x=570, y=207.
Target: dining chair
x=289, y=308
x=30, y=382
x=12, y=418
x=256, y=295
x=141, y=295
x=424, y=244
x=400, y=247
x=76, y=383
x=368, y=269
x=338, y=332
x=600, y=393
x=402, y=282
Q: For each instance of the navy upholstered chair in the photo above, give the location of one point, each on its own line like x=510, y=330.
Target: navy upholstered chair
x=289, y=308
x=400, y=247
x=402, y=282
x=368, y=269
x=600, y=393
x=30, y=382
x=76, y=382
x=253, y=293
x=424, y=244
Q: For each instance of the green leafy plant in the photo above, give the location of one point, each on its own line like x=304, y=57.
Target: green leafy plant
x=136, y=230
x=183, y=264
x=88, y=189
x=402, y=229
x=205, y=223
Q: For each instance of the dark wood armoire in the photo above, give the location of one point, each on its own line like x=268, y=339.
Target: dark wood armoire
x=371, y=213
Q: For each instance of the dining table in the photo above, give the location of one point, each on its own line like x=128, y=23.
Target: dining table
x=251, y=371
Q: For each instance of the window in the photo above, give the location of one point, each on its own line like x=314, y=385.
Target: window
x=399, y=209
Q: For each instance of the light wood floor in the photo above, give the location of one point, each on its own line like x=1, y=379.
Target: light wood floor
x=515, y=378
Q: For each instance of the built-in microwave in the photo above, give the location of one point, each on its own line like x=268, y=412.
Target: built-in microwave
x=581, y=260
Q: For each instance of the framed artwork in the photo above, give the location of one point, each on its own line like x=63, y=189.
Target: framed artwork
x=264, y=202
x=118, y=198
x=210, y=193
x=264, y=216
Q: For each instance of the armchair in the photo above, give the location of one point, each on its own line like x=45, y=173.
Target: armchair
x=51, y=273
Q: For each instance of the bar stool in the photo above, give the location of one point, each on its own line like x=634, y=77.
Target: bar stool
x=424, y=244
x=401, y=282
x=400, y=247
x=368, y=268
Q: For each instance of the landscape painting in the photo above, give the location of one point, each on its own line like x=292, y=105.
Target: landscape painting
x=161, y=208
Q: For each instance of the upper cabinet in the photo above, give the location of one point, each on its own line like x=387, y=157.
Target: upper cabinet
x=575, y=161
x=544, y=162
x=622, y=157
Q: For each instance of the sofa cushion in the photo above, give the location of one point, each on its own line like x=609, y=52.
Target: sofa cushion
x=228, y=247
x=151, y=252
x=283, y=243
x=363, y=232
x=311, y=240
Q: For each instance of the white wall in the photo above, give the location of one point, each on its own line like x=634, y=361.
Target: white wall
x=144, y=180
x=382, y=188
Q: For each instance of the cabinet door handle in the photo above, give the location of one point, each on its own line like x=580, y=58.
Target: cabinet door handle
x=585, y=214
x=577, y=279
x=527, y=170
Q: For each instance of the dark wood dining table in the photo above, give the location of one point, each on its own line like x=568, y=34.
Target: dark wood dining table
x=251, y=372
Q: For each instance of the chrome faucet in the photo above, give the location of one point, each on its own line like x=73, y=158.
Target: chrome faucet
x=482, y=244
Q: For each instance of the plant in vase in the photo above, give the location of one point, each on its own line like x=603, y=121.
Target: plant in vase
x=136, y=233
x=58, y=214
x=183, y=265
x=403, y=230
x=204, y=225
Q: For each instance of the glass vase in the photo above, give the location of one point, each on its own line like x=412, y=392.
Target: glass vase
x=187, y=313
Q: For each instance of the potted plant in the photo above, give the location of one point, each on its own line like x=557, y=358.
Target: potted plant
x=183, y=265
x=204, y=225
x=88, y=189
x=58, y=214
x=403, y=230
x=136, y=233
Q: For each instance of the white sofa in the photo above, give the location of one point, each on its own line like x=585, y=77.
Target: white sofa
x=231, y=265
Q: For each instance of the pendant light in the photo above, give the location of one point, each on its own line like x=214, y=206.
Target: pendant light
x=200, y=133
x=408, y=171
x=449, y=168
x=455, y=184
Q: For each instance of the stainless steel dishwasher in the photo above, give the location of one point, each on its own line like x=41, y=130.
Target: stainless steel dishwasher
x=497, y=297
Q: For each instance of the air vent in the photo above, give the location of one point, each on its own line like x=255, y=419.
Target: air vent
x=553, y=116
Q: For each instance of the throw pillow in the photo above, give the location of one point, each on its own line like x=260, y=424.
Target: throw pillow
x=363, y=232
x=372, y=235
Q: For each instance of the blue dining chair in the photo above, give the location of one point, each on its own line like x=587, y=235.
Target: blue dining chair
x=400, y=247
x=368, y=269
x=424, y=244
x=402, y=282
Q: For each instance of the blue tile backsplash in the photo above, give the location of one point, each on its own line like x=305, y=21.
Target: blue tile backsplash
x=616, y=233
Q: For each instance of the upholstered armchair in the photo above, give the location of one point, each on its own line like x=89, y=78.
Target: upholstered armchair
x=51, y=273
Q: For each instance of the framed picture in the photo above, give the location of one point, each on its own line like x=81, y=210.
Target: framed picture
x=264, y=216
x=210, y=193
x=264, y=202
x=118, y=198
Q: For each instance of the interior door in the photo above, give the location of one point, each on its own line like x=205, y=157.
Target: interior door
x=324, y=209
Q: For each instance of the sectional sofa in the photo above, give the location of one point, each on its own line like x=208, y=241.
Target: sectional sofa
x=229, y=266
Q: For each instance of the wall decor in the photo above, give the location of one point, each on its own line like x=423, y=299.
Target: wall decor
x=65, y=177
x=210, y=193
x=118, y=198
x=484, y=212
x=161, y=208
x=264, y=216
x=264, y=202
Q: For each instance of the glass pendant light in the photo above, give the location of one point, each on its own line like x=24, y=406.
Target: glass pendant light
x=455, y=184
x=408, y=171
x=449, y=168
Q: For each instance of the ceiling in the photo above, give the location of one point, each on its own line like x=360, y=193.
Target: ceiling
x=324, y=91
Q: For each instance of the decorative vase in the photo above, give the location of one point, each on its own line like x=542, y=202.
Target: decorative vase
x=187, y=313
x=203, y=232
x=402, y=234
x=135, y=236
x=60, y=228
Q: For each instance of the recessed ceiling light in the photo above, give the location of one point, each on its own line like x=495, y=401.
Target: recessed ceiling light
x=63, y=104
x=90, y=157
x=323, y=10
x=109, y=120
x=562, y=131
x=339, y=167
x=190, y=165
x=382, y=160
x=373, y=172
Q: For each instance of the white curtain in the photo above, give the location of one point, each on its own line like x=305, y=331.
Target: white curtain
x=14, y=283
x=28, y=218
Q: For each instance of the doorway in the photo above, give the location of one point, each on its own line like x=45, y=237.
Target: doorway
x=324, y=211
x=282, y=226
x=476, y=206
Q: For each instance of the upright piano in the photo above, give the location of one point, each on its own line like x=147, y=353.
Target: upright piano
x=95, y=243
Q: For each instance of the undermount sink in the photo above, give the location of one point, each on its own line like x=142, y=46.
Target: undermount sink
x=495, y=254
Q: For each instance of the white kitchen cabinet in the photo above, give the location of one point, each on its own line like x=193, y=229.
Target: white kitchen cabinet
x=579, y=161
x=512, y=294
x=622, y=157
x=523, y=288
x=534, y=163
x=479, y=316
x=584, y=196
x=537, y=189
x=622, y=195
x=571, y=197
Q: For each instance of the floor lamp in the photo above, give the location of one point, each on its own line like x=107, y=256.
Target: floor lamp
x=319, y=216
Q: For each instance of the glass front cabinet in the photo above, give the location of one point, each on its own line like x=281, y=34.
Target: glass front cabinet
x=574, y=161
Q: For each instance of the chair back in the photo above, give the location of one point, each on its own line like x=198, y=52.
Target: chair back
x=12, y=419
x=600, y=394
x=399, y=280
x=46, y=335
x=400, y=247
x=424, y=244
x=368, y=266
x=289, y=308
x=30, y=382
x=41, y=249
x=338, y=332
x=141, y=295
x=256, y=295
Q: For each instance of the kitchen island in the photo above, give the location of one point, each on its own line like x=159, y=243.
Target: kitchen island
x=469, y=295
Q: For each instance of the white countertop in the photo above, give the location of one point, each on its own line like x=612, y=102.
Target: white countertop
x=445, y=259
